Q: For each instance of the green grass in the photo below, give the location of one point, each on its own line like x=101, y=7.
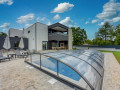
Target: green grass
x=115, y=53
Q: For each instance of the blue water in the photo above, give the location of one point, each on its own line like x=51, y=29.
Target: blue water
x=51, y=64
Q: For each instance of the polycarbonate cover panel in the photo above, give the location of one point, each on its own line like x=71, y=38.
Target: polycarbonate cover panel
x=88, y=63
x=81, y=66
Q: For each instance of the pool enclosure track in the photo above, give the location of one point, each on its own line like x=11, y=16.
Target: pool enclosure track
x=92, y=88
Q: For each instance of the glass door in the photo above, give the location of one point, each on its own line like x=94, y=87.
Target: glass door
x=44, y=45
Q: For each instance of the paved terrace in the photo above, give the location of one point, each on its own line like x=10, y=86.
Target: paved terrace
x=18, y=75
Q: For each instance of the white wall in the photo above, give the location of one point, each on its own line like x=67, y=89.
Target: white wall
x=42, y=34
x=30, y=36
x=15, y=32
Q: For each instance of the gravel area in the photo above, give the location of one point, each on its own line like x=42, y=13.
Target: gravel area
x=18, y=75
x=111, y=73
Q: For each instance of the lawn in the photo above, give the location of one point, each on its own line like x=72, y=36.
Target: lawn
x=116, y=54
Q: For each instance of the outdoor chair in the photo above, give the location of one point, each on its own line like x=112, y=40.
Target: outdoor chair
x=3, y=58
x=18, y=54
x=28, y=51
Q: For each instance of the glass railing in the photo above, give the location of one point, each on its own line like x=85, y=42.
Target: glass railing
x=57, y=33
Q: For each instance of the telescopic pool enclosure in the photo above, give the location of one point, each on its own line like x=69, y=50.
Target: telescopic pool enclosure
x=82, y=68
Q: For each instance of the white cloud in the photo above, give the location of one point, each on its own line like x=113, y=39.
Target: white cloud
x=41, y=19
x=67, y=21
x=5, y=25
x=87, y=22
x=116, y=19
x=26, y=18
x=101, y=24
x=27, y=25
x=110, y=9
x=49, y=23
x=56, y=17
x=8, y=2
x=94, y=21
x=4, y=30
x=111, y=12
x=63, y=7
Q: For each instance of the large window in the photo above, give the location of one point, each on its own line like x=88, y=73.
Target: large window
x=44, y=45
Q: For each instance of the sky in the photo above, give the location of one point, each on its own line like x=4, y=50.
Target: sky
x=86, y=14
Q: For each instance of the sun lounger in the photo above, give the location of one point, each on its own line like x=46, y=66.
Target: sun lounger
x=3, y=58
x=18, y=54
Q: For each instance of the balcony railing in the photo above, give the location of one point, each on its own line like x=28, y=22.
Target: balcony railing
x=58, y=33
x=58, y=36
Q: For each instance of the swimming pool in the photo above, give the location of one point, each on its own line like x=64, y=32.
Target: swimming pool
x=85, y=67
x=62, y=68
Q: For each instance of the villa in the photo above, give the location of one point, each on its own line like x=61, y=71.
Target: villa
x=44, y=37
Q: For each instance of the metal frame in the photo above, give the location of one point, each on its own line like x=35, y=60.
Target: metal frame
x=89, y=84
x=92, y=58
x=84, y=61
x=80, y=58
x=68, y=66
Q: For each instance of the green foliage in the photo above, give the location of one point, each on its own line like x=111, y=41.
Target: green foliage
x=117, y=40
x=105, y=31
x=89, y=42
x=2, y=34
x=117, y=32
x=79, y=36
x=106, y=35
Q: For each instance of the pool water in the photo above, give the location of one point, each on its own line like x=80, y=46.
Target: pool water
x=63, y=69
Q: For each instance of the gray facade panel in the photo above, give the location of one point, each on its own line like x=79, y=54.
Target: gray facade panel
x=58, y=37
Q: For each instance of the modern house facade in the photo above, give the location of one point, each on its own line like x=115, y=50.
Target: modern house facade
x=44, y=37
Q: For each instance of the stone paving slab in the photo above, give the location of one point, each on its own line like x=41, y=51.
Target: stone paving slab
x=111, y=73
x=17, y=75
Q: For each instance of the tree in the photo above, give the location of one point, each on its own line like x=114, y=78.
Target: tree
x=117, y=40
x=104, y=31
x=88, y=41
x=117, y=32
x=79, y=36
x=2, y=34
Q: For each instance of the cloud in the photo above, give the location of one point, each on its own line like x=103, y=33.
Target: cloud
x=27, y=25
x=56, y=17
x=63, y=7
x=116, y=19
x=111, y=12
x=110, y=9
x=26, y=18
x=4, y=30
x=101, y=24
x=8, y=2
x=5, y=25
x=67, y=21
x=94, y=21
x=49, y=23
x=41, y=19
x=87, y=22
